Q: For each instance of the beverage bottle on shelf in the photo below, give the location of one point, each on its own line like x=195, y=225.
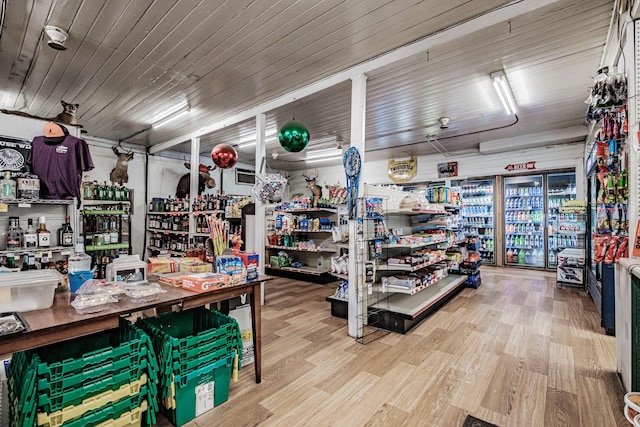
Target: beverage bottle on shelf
x=15, y=234
x=30, y=236
x=8, y=186
x=510, y=256
x=44, y=236
x=113, y=229
x=29, y=262
x=521, y=256
x=66, y=233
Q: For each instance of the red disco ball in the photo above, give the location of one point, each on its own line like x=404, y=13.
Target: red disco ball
x=224, y=156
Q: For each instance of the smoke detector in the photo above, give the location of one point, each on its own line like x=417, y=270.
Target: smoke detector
x=444, y=122
x=57, y=37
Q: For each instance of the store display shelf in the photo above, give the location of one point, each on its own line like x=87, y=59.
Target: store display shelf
x=516, y=196
x=408, y=246
x=568, y=233
x=524, y=233
x=91, y=248
x=63, y=250
x=304, y=270
x=477, y=194
x=291, y=248
x=161, y=231
x=171, y=252
x=26, y=202
x=407, y=291
x=563, y=194
x=201, y=234
x=416, y=211
x=104, y=202
x=523, y=209
x=405, y=267
x=524, y=222
x=103, y=212
x=329, y=210
x=478, y=216
x=342, y=245
x=299, y=230
x=489, y=251
x=340, y=276
x=180, y=213
x=412, y=306
x=521, y=247
x=216, y=211
x=524, y=264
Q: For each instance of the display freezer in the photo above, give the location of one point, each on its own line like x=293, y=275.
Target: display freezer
x=561, y=187
x=478, y=216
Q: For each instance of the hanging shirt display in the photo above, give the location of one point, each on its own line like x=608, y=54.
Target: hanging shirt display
x=59, y=162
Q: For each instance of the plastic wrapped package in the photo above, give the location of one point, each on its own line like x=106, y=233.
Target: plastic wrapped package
x=88, y=303
x=145, y=292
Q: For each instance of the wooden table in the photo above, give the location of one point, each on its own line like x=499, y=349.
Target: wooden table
x=60, y=322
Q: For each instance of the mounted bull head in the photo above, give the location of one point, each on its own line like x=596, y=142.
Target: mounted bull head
x=204, y=180
x=316, y=190
x=120, y=174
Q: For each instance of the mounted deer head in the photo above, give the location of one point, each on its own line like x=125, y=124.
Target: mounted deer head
x=204, y=180
x=120, y=174
x=316, y=190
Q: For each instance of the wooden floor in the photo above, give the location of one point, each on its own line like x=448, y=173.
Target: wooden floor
x=515, y=352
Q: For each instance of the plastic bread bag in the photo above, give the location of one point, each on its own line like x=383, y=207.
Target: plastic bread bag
x=88, y=303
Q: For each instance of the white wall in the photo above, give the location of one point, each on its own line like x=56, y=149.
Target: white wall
x=469, y=166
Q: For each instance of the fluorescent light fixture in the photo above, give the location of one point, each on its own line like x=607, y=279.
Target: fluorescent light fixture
x=327, y=152
x=501, y=86
x=323, y=159
x=171, y=116
x=247, y=143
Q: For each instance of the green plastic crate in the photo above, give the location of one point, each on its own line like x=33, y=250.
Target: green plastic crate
x=192, y=328
x=214, y=378
x=113, y=411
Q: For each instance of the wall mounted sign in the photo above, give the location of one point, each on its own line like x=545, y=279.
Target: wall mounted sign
x=402, y=170
x=446, y=170
x=521, y=166
x=14, y=153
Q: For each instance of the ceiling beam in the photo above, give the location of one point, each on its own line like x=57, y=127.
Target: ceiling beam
x=499, y=14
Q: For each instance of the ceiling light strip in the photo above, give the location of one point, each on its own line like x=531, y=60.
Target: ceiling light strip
x=323, y=159
x=171, y=118
x=503, y=90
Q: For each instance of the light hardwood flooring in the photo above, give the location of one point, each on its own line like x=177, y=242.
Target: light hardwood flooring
x=516, y=352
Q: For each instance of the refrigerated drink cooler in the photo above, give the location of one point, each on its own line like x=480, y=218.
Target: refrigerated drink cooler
x=478, y=214
x=524, y=237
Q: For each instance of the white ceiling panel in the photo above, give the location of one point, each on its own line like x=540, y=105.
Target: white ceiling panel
x=128, y=59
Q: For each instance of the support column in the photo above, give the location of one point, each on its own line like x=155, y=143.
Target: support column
x=260, y=224
x=357, y=307
x=194, y=174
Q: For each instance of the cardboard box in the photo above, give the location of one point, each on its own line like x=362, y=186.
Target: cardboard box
x=193, y=265
x=161, y=265
x=249, y=259
x=171, y=279
x=204, y=282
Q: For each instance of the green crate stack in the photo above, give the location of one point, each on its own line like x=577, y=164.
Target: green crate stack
x=195, y=350
x=59, y=384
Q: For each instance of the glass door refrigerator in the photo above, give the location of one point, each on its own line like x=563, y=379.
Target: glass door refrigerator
x=524, y=225
x=477, y=214
x=560, y=188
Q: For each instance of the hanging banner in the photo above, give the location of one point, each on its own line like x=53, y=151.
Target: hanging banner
x=521, y=166
x=13, y=154
x=446, y=170
x=402, y=170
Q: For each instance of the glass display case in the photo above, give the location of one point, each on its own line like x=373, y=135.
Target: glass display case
x=561, y=187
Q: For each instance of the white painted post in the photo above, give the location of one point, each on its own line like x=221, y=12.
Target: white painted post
x=260, y=208
x=193, y=180
x=357, y=307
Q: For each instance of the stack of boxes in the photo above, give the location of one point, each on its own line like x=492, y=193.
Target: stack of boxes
x=197, y=351
x=110, y=377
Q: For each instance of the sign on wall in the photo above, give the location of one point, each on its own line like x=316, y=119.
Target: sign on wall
x=521, y=166
x=446, y=170
x=14, y=153
x=402, y=170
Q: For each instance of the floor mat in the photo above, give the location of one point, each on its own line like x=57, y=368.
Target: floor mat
x=472, y=421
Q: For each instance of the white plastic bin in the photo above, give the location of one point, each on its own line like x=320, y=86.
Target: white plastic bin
x=28, y=290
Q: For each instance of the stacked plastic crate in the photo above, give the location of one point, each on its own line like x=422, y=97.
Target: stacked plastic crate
x=110, y=377
x=197, y=351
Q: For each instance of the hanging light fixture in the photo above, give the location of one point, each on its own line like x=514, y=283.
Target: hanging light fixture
x=501, y=85
x=170, y=115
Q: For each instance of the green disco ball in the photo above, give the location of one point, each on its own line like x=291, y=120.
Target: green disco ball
x=293, y=136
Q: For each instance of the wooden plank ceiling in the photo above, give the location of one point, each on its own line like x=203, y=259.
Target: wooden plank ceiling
x=127, y=60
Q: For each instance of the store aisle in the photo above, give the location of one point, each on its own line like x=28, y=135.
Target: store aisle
x=516, y=352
